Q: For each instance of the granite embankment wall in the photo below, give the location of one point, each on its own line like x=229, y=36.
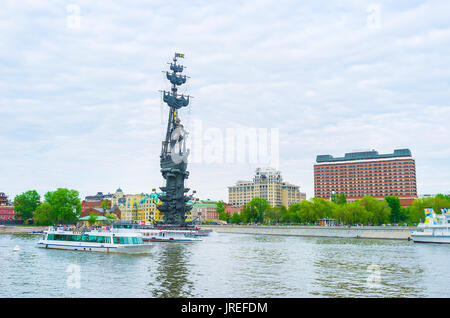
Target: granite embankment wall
x=368, y=232
x=5, y=229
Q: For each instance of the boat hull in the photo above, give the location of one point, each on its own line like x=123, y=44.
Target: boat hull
x=417, y=238
x=171, y=240
x=129, y=249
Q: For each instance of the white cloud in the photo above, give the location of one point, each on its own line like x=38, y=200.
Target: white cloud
x=81, y=108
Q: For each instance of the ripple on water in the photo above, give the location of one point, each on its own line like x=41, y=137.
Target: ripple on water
x=230, y=265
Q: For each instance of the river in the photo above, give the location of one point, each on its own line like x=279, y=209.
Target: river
x=230, y=265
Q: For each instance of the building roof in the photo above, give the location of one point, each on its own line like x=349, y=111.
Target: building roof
x=97, y=218
x=361, y=155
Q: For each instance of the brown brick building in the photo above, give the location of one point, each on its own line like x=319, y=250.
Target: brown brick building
x=358, y=174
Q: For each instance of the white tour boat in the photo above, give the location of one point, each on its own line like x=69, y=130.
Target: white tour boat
x=161, y=234
x=436, y=228
x=169, y=235
x=110, y=241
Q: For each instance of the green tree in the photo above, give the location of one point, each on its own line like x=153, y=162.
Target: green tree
x=66, y=205
x=105, y=205
x=279, y=212
x=43, y=214
x=235, y=218
x=355, y=213
x=321, y=208
x=25, y=204
x=254, y=210
x=396, y=209
x=340, y=213
x=339, y=198
x=110, y=216
x=416, y=209
x=377, y=212
x=92, y=219
x=220, y=208
x=304, y=212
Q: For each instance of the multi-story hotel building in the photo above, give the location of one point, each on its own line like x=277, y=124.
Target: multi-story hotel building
x=268, y=184
x=362, y=173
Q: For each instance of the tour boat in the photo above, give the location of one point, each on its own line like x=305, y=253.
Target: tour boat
x=169, y=235
x=109, y=241
x=162, y=234
x=435, y=229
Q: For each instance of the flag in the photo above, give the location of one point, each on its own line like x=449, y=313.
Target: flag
x=429, y=214
x=179, y=55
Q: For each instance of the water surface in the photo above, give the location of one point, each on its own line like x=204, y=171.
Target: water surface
x=230, y=265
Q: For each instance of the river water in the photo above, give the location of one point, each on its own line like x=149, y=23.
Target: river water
x=230, y=265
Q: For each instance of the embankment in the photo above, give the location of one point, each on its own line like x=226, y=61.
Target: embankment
x=368, y=232
x=14, y=229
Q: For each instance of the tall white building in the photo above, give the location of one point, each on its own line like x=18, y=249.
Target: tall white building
x=268, y=184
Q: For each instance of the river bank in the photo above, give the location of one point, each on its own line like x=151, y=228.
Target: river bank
x=368, y=232
x=14, y=229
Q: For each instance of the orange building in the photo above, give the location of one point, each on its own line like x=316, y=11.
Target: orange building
x=362, y=173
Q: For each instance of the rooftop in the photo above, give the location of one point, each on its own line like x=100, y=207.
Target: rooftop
x=372, y=154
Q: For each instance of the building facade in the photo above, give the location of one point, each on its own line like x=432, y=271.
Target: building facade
x=268, y=184
x=99, y=197
x=6, y=213
x=3, y=199
x=203, y=210
x=6, y=210
x=148, y=208
x=137, y=207
x=362, y=173
x=230, y=210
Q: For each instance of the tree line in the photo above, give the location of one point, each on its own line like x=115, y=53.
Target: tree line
x=59, y=206
x=365, y=211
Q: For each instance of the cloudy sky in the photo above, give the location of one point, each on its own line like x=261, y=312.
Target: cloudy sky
x=80, y=105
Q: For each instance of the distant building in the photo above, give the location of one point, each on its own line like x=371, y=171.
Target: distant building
x=3, y=199
x=6, y=213
x=6, y=210
x=430, y=195
x=230, y=210
x=88, y=210
x=92, y=204
x=99, y=197
x=362, y=173
x=128, y=204
x=268, y=184
x=203, y=210
x=137, y=207
x=148, y=208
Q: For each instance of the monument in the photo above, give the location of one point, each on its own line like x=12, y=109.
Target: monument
x=174, y=155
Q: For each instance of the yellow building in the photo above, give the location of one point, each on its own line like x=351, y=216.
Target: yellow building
x=128, y=204
x=148, y=208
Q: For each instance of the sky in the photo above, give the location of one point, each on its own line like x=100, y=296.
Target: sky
x=80, y=81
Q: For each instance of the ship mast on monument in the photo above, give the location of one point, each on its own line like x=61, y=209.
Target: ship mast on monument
x=174, y=155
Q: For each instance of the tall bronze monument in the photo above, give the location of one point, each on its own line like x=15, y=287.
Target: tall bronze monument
x=173, y=153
